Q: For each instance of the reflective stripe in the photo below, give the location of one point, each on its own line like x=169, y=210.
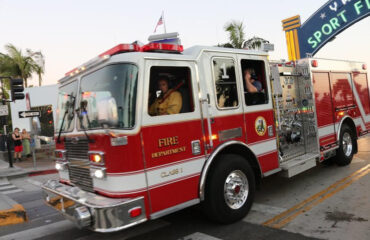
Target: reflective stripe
x=264, y=147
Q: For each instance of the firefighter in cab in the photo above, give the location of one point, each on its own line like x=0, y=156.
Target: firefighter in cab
x=168, y=102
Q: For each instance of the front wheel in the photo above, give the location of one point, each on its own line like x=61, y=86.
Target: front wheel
x=230, y=188
x=347, y=143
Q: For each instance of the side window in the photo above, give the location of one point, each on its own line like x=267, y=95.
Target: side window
x=170, y=91
x=225, y=82
x=254, y=82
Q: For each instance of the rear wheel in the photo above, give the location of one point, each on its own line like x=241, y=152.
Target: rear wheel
x=229, y=189
x=347, y=143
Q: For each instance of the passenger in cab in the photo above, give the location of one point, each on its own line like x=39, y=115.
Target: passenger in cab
x=251, y=82
x=168, y=102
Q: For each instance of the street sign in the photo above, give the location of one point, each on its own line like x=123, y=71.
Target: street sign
x=4, y=110
x=27, y=114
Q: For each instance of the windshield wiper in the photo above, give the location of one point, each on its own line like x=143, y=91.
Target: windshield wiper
x=64, y=116
x=61, y=126
x=82, y=125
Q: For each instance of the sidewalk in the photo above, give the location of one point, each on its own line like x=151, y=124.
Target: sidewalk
x=44, y=164
x=10, y=211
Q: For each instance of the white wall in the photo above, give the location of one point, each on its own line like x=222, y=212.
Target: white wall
x=39, y=96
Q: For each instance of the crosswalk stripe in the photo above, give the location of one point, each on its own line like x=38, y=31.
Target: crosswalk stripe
x=7, y=188
x=199, y=236
x=42, y=231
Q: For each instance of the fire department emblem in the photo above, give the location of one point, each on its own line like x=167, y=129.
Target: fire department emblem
x=260, y=126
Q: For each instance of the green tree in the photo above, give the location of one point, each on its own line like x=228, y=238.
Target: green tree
x=236, y=33
x=254, y=43
x=16, y=64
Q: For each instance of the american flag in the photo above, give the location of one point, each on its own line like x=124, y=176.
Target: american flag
x=160, y=22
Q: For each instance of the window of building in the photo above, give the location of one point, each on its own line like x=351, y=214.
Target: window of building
x=254, y=82
x=170, y=91
x=225, y=83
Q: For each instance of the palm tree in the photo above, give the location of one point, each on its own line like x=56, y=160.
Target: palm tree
x=237, y=37
x=18, y=65
x=254, y=43
x=236, y=33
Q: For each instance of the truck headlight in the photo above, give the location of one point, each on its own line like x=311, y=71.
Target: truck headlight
x=98, y=172
x=60, y=166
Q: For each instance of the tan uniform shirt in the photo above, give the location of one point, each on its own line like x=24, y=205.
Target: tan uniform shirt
x=171, y=104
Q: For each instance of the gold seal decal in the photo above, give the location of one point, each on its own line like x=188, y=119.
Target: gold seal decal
x=260, y=126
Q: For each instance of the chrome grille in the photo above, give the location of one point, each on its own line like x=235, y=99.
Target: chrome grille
x=79, y=168
x=77, y=148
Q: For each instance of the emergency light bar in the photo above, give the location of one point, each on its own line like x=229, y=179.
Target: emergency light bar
x=122, y=48
x=162, y=47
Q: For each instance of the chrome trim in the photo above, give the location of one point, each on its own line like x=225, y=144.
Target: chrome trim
x=174, y=208
x=230, y=134
x=210, y=160
x=205, y=102
x=196, y=144
x=329, y=150
x=201, y=111
x=146, y=172
x=266, y=174
x=107, y=214
x=341, y=123
x=83, y=217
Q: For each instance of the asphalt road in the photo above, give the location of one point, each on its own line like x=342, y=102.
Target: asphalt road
x=326, y=202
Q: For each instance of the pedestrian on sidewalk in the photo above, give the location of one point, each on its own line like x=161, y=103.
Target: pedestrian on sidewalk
x=18, y=148
x=26, y=138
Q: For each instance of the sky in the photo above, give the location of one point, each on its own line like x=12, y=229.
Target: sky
x=70, y=33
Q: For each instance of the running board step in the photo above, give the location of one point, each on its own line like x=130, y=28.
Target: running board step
x=299, y=164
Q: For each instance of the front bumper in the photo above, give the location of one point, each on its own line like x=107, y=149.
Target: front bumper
x=85, y=209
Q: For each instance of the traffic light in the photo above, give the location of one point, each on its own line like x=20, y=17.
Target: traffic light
x=16, y=88
x=49, y=111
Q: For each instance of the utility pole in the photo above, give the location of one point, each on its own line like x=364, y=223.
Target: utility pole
x=16, y=88
x=8, y=138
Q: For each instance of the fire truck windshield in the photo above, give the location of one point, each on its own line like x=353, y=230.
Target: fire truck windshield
x=65, y=111
x=108, y=98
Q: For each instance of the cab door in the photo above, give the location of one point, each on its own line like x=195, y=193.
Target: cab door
x=172, y=140
x=259, y=112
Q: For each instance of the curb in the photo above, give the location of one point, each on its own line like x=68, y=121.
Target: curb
x=14, y=215
x=42, y=172
x=30, y=173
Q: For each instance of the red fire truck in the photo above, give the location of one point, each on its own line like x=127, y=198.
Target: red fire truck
x=121, y=164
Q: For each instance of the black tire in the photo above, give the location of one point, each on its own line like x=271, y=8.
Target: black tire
x=344, y=152
x=215, y=205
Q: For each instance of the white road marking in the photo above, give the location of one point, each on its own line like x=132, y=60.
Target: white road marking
x=132, y=232
x=39, y=232
x=7, y=188
x=267, y=209
x=199, y=236
x=34, y=182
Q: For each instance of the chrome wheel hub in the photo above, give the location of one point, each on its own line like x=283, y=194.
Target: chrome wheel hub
x=347, y=144
x=236, y=189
